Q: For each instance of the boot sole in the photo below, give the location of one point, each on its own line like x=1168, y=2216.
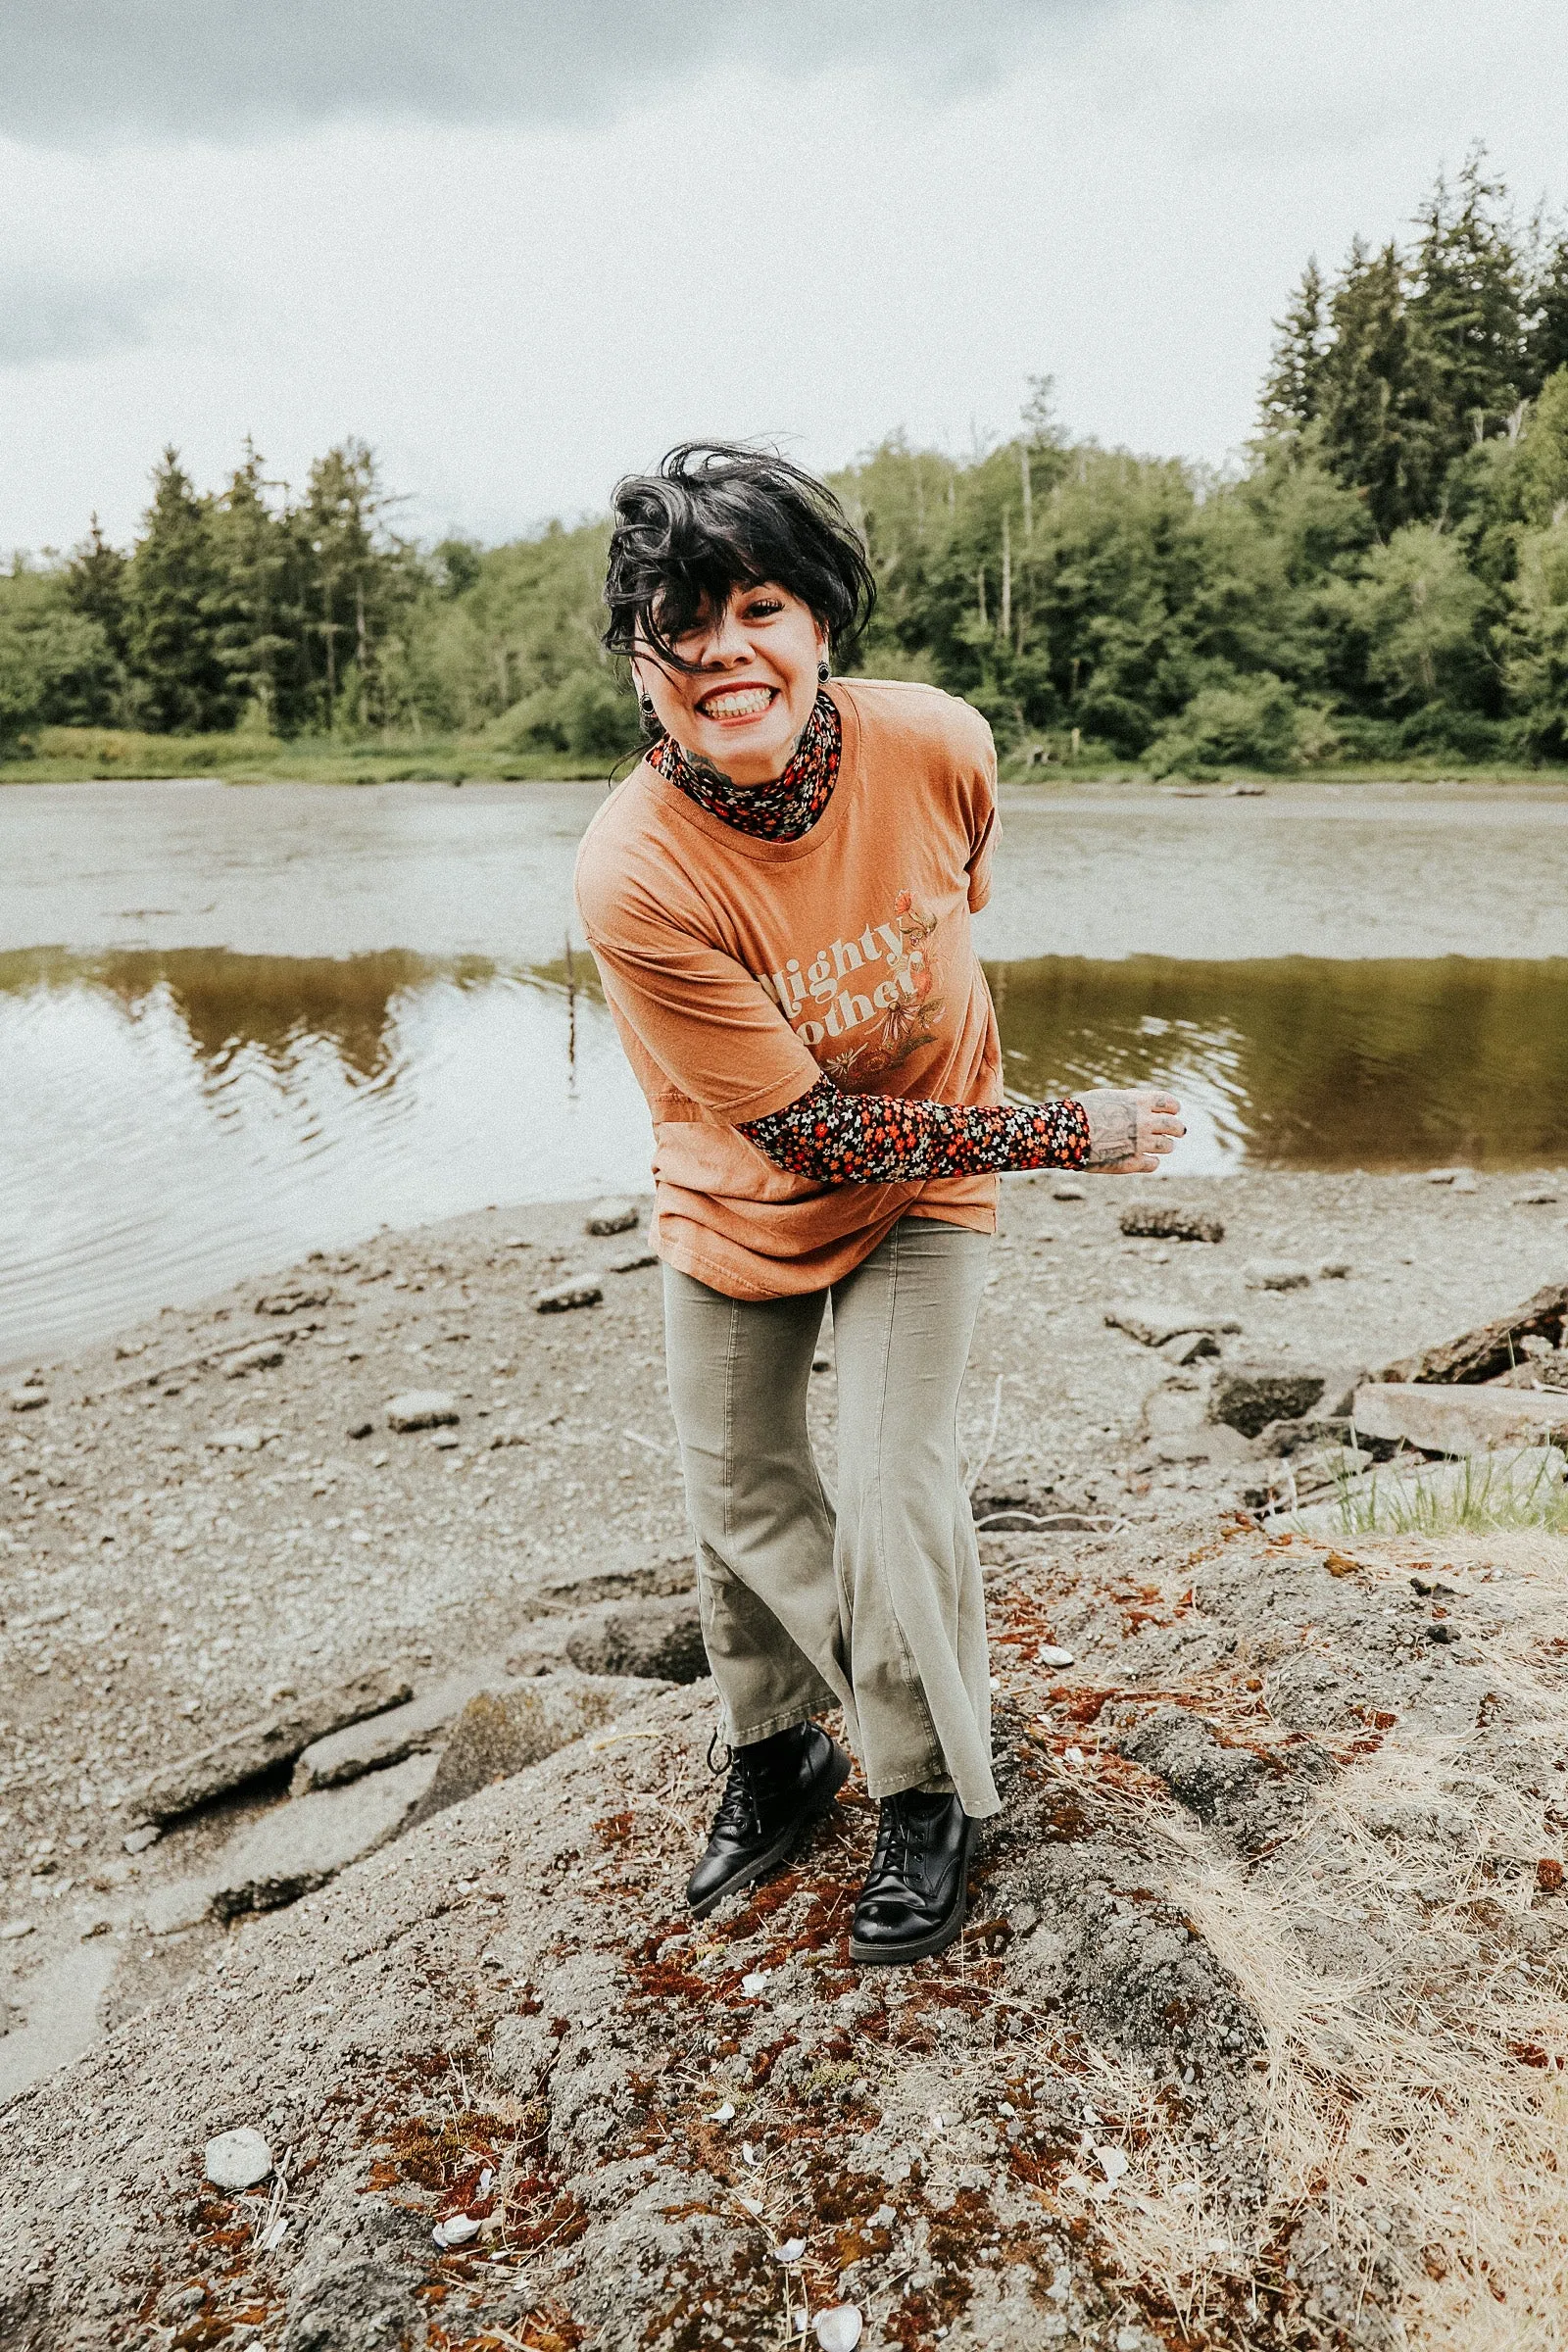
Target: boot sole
x=782, y=1845
x=924, y=1947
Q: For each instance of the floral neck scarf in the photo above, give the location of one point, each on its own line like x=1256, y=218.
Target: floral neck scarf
x=780, y=812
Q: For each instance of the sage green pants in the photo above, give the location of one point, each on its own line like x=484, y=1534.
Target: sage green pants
x=874, y=1606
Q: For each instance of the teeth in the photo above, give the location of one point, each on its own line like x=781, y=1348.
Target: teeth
x=737, y=705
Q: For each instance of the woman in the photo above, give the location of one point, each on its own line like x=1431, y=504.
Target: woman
x=778, y=900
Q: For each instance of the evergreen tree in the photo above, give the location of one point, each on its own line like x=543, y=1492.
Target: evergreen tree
x=1465, y=308
x=177, y=608
x=1291, y=389
x=1374, y=392
x=258, y=635
x=1545, y=338
x=95, y=585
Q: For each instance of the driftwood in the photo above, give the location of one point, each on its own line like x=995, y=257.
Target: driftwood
x=1491, y=1350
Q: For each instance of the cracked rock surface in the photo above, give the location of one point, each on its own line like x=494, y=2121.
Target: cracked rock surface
x=1255, y=2036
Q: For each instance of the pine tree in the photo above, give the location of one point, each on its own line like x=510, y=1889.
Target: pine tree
x=1545, y=303
x=1374, y=394
x=1291, y=389
x=258, y=638
x=95, y=584
x=175, y=610
x=1466, y=306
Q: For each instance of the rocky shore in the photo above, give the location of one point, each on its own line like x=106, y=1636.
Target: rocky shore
x=1263, y=1994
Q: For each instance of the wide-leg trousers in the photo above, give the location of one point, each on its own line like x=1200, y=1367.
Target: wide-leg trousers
x=871, y=1600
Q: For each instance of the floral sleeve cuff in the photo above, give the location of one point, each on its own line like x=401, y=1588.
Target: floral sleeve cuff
x=830, y=1136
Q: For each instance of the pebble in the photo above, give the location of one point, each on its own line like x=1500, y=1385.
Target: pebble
x=259, y=1359
x=15, y=1928
x=26, y=1399
x=236, y=1440
x=136, y=1841
x=360, y=1429
x=1152, y=1220
x=238, y=2160
x=630, y=1260
x=839, y=2328
x=289, y=1303
x=507, y=1437
x=754, y=1980
x=1276, y=1274
x=420, y=1409
x=1335, y=1270
x=791, y=2251
x=1069, y=1191
x=579, y=1289
x=445, y=1440
x=612, y=1216
x=1048, y=1654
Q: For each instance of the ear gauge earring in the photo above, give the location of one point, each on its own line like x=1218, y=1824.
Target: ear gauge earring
x=822, y=672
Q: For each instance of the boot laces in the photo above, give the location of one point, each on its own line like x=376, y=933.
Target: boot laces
x=737, y=1807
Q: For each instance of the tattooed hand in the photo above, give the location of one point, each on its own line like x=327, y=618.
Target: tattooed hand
x=1130, y=1129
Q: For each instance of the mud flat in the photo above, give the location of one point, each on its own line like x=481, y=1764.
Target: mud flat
x=1258, y=2032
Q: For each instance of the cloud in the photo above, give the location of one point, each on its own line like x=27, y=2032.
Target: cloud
x=222, y=70
x=56, y=315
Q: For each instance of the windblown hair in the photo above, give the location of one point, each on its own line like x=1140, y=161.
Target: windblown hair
x=717, y=517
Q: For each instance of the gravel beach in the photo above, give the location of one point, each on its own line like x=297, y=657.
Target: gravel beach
x=210, y=1519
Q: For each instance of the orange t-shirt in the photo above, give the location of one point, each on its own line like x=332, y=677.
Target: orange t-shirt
x=739, y=971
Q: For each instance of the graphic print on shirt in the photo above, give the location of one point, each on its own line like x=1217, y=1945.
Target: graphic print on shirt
x=895, y=1014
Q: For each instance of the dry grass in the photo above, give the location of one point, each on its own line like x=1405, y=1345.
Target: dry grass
x=1416, y=2102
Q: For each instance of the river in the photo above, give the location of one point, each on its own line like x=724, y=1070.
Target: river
x=237, y=1023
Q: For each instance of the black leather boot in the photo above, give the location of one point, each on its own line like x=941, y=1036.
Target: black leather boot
x=913, y=1902
x=775, y=1789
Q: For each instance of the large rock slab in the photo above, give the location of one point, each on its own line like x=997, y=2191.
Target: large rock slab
x=504, y=1730
x=1443, y=1418
x=1388, y=1500
x=379, y=1740
x=265, y=1746
x=302, y=1844
x=1493, y=1348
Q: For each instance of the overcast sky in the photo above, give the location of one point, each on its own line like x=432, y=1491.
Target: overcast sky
x=522, y=245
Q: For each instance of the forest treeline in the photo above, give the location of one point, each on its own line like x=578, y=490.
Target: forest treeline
x=1386, y=574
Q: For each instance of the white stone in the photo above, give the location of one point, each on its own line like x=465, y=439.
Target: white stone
x=15, y=1928
x=238, y=2160
x=838, y=2330
x=421, y=1408
x=1048, y=1654
x=1450, y=1417
x=26, y=1399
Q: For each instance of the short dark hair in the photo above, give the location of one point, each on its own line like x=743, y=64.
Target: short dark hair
x=717, y=517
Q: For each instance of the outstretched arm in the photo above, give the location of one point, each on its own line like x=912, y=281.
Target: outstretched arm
x=830, y=1136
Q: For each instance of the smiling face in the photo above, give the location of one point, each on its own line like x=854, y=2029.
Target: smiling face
x=742, y=705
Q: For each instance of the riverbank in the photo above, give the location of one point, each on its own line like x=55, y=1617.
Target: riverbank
x=193, y=1538
x=105, y=755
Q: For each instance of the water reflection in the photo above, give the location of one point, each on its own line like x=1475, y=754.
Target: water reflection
x=1311, y=1062
x=174, y=1119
